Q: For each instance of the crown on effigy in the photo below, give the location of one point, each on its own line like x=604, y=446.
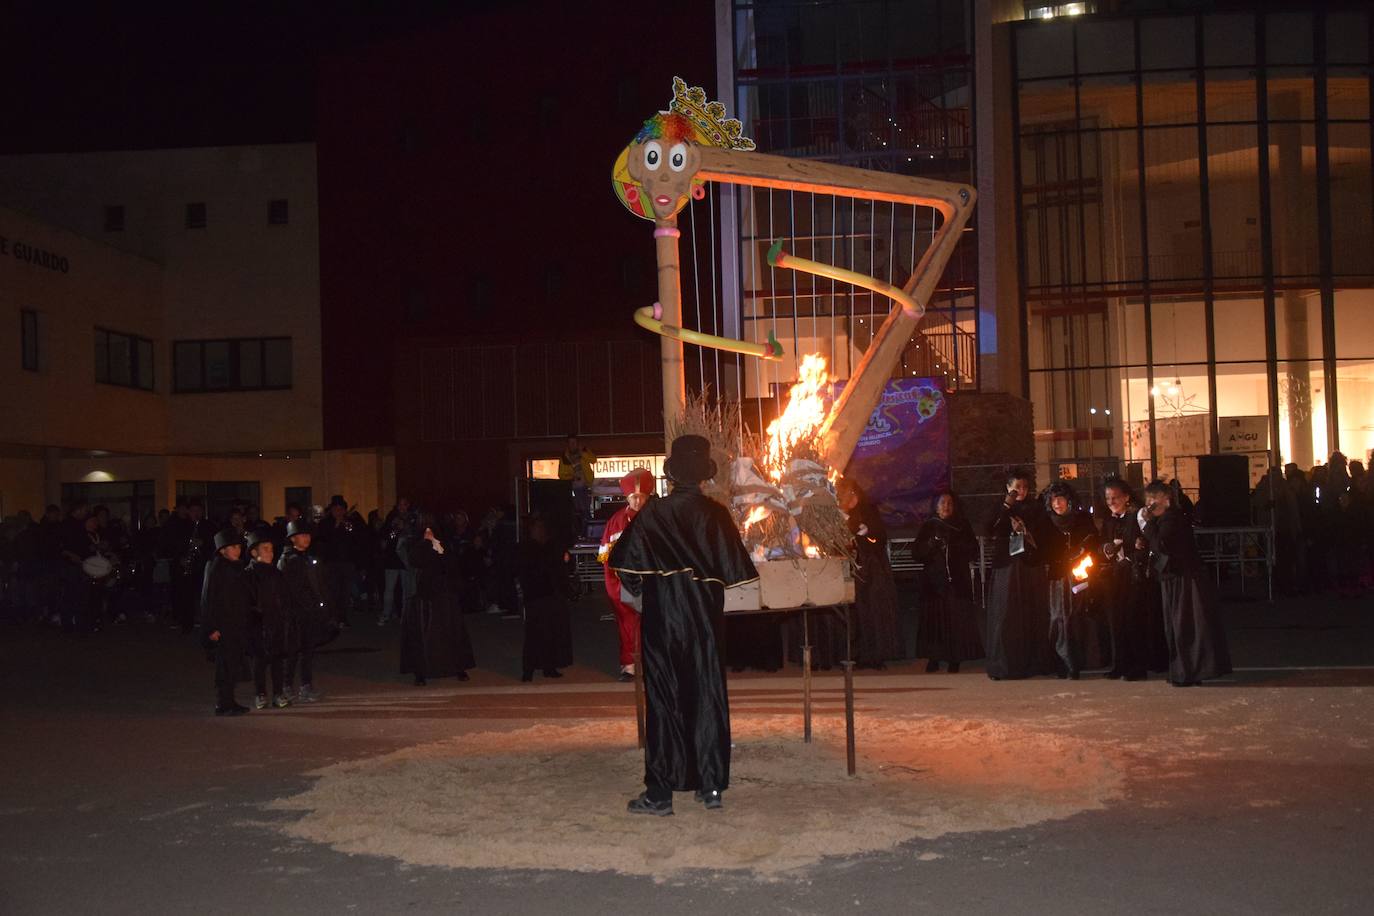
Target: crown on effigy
x=709, y=117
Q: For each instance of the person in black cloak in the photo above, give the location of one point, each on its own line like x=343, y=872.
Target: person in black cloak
x=544, y=583
x=267, y=633
x=224, y=619
x=676, y=560
x=434, y=637
x=1071, y=538
x=877, y=637
x=945, y=545
x=1018, y=618
x=1123, y=592
x=307, y=608
x=1198, y=648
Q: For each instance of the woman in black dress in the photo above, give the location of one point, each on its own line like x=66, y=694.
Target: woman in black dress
x=434, y=638
x=877, y=636
x=1070, y=537
x=1018, y=619
x=545, y=586
x=945, y=545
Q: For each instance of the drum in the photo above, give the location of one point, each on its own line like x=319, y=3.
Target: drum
x=97, y=567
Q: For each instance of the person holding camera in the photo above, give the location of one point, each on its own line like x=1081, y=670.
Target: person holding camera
x=1018, y=618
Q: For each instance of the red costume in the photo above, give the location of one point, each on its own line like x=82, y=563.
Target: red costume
x=639, y=480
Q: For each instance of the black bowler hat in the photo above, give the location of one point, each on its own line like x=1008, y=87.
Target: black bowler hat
x=299, y=526
x=689, y=460
x=258, y=536
x=337, y=500
x=226, y=537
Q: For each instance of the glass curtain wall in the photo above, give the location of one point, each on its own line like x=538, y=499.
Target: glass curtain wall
x=877, y=84
x=1196, y=250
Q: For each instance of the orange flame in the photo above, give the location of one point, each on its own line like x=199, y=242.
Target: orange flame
x=755, y=516
x=1080, y=572
x=803, y=416
x=808, y=548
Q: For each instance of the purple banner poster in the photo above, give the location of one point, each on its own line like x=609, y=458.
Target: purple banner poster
x=903, y=457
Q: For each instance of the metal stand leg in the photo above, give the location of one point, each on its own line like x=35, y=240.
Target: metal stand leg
x=639, y=696
x=806, y=679
x=849, y=715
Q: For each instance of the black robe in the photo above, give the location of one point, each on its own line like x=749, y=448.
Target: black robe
x=678, y=557
x=877, y=634
x=1124, y=593
x=948, y=630
x=544, y=585
x=307, y=600
x=225, y=608
x=1073, y=633
x=267, y=596
x=1198, y=649
x=1018, y=614
x=434, y=636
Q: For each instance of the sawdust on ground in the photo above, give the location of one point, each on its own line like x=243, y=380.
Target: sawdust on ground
x=553, y=796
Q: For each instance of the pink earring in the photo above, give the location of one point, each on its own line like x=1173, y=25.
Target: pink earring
x=698, y=192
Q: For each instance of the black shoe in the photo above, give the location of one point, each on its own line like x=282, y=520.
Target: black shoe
x=953, y=667
x=419, y=681
x=932, y=666
x=527, y=677
x=625, y=677
x=1073, y=675
x=552, y=672
x=235, y=710
x=1113, y=674
x=711, y=798
x=1135, y=677
x=643, y=804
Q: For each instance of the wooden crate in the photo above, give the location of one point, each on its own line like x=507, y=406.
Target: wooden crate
x=794, y=583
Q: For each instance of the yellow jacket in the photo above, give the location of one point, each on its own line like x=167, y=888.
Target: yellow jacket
x=565, y=468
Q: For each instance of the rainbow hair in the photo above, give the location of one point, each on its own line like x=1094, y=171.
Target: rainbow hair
x=669, y=126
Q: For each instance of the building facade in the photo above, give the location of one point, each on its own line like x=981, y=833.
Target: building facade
x=1196, y=242
x=168, y=333
x=1175, y=227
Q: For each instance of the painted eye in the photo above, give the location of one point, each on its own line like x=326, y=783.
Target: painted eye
x=653, y=155
x=677, y=156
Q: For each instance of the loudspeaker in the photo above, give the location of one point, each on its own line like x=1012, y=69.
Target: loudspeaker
x=1224, y=490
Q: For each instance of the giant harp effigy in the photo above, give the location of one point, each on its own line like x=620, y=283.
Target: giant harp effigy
x=851, y=255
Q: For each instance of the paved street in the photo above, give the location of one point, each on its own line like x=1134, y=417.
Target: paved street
x=121, y=794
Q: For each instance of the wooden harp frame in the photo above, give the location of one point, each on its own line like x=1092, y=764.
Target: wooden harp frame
x=849, y=415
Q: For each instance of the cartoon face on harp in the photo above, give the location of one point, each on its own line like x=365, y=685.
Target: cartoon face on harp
x=656, y=174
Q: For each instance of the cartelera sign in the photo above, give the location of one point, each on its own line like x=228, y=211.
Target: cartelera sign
x=612, y=466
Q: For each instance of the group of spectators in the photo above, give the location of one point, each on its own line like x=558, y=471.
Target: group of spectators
x=1322, y=526
x=87, y=568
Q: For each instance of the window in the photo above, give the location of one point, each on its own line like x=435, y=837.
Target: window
x=301, y=496
x=195, y=216
x=241, y=364
x=278, y=213
x=28, y=339
x=220, y=497
x=114, y=217
x=123, y=359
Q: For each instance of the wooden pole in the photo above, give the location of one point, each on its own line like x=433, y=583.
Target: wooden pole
x=806, y=678
x=639, y=695
x=670, y=298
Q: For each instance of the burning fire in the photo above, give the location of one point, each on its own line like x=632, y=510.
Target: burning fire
x=803, y=416
x=1080, y=572
x=808, y=548
x=756, y=515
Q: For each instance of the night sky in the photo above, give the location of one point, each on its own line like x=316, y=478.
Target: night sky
x=144, y=75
